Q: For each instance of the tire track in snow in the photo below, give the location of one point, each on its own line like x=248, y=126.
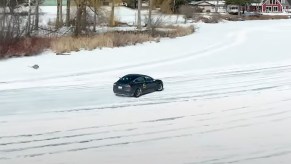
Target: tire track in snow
x=254, y=156
x=186, y=131
x=206, y=86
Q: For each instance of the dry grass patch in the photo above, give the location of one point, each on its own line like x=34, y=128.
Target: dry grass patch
x=67, y=44
x=173, y=31
x=116, y=39
x=124, y=39
x=34, y=45
x=179, y=31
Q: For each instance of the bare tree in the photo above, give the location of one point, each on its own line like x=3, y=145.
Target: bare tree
x=36, y=15
x=139, y=15
x=156, y=23
x=11, y=4
x=61, y=12
x=216, y=7
x=3, y=21
x=95, y=15
x=84, y=16
x=78, y=20
x=68, y=13
x=58, y=14
x=112, y=23
x=93, y=6
x=174, y=6
x=29, y=19
x=84, y=20
x=59, y=19
x=12, y=28
x=150, y=13
x=79, y=23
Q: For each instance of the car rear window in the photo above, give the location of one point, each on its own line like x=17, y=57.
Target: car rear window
x=127, y=79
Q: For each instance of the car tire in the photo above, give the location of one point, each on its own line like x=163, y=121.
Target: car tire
x=137, y=92
x=160, y=87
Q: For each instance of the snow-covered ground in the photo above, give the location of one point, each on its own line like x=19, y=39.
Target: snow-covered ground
x=227, y=99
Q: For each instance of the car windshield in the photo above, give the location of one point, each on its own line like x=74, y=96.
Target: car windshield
x=127, y=79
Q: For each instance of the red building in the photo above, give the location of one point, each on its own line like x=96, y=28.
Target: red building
x=271, y=6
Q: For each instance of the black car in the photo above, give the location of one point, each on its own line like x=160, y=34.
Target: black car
x=136, y=85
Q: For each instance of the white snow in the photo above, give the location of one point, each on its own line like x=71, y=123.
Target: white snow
x=226, y=100
x=122, y=14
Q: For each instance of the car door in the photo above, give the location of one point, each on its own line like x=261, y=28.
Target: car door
x=150, y=84
x=140, y=82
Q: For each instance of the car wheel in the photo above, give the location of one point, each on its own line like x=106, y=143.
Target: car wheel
x=160, y=87
x=137, y=92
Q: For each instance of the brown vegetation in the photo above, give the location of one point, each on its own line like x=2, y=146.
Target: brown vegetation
x=24, y=47
x=166, y=7
x=34, y=45
x=116, y=39
x=175, y=31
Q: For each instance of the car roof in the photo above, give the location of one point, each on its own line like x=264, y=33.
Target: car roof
x=135, y=75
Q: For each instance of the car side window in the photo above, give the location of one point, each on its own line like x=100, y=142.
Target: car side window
x=148, y=79
x=139, y=80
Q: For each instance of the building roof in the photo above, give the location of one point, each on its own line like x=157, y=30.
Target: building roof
x=283, y=2
x=213, y=2
x=261, y=2
x=201, y=3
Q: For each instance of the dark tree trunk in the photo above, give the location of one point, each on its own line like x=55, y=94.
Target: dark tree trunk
x=68, y=13
x=78, y=20
x=29, y=19
x=36, y=15
x=139, y=15
x=58, y=14
x=84, y=17
x=112, y=23
x=150, y=14
x=95, y=15
x=61, y=12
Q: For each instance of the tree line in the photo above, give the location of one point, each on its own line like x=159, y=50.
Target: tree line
x=12, y=21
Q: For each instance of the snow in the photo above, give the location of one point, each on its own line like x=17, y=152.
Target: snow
x=283, y=13
x=226, y=100
x=122, y=14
